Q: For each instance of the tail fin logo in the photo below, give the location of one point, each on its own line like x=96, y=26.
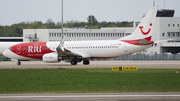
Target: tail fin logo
x=145, y=33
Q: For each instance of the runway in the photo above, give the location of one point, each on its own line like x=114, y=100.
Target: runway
x=92, y=97
x=93, y=64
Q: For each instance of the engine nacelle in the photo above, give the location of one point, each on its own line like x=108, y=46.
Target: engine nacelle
x=51, y=58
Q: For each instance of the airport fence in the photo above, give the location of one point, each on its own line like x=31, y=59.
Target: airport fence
x=150, y=57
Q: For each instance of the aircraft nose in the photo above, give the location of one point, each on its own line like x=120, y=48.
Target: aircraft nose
x=6, y=52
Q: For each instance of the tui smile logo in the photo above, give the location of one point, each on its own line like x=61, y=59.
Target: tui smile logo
x=145, y=33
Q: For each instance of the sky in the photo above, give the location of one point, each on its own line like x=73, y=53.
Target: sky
x=16, y=11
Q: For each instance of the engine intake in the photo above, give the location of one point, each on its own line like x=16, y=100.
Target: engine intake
x=51, y=58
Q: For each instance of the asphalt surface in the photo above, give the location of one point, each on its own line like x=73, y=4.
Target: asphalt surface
x=93, y=64
x=92, y=96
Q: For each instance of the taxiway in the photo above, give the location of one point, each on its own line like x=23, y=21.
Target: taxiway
x=92, y=97
x=93, y=64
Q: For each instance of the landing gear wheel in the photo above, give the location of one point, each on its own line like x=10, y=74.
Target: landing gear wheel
x=73, y=62
x=86, y=62
x=18, y=63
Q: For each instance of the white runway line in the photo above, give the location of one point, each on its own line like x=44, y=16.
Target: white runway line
x=87, y=96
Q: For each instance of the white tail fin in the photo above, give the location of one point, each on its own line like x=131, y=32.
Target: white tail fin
x=145, y=28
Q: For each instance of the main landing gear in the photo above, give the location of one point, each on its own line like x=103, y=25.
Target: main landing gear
x=18, y=63
x=74, y=62
x=86, y=62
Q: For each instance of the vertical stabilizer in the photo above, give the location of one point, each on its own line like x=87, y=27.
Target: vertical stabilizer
x=145, y=28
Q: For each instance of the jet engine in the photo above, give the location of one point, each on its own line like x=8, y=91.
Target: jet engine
x=51, y=58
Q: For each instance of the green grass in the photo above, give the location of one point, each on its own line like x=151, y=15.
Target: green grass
x=63, y=80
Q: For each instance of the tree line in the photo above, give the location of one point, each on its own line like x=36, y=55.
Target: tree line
x=16, y=30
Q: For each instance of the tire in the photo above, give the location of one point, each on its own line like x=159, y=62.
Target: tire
x=73, y=62
x=86, y=62
x=18, y=63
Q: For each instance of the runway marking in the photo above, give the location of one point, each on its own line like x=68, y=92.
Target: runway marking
x=86, y=96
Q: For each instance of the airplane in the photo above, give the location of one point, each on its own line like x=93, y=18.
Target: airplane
x=77, y=51
x=5, y=45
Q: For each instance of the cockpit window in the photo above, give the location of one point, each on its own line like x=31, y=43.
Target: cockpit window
x=10, y=48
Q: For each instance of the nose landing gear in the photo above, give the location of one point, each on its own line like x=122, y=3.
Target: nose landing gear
x=18, y=63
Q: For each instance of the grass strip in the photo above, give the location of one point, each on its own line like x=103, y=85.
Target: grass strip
x=88, y=80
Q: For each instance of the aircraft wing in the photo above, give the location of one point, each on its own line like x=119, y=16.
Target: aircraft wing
x=64, y=52
x=67, y=53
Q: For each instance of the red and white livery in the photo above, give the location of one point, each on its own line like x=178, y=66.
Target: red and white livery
x=77, y=51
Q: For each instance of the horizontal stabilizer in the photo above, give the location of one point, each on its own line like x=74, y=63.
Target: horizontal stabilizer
x=163, y=40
